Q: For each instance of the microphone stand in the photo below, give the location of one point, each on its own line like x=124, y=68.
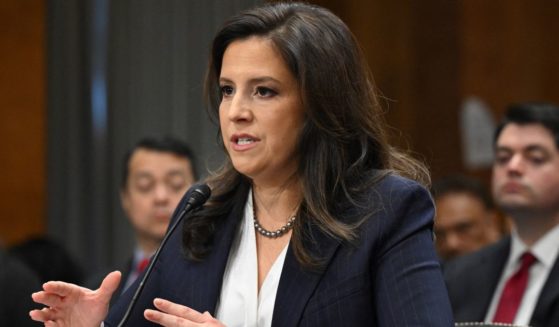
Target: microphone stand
x=198, y=197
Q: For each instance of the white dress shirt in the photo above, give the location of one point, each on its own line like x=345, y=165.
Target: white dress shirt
x=240, y=303
x=545, y=250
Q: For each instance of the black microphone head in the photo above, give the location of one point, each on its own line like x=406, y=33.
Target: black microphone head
x=199, y=195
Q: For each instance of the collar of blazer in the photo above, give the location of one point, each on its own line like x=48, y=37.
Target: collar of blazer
x=296, y=283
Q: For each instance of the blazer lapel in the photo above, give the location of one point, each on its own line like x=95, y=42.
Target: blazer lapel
x=548, y=299
x=490, y=269
x=297, y=284
x=472, y=279
x=125, y=269
x=205, y=277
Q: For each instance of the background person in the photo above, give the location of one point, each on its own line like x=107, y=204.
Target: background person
x=156, y=172
x=309, y=222
x=49, y=259
x=16, y=281
x=517, y=279
x=466, y=218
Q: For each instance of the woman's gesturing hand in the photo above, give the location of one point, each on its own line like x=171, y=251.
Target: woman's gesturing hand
x=174, y=315
x=72, y=305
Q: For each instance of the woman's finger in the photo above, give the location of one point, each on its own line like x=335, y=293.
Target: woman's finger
x=178, y=310
x=168, y=320
x=51, y=323
x=43, y=315
x=48, y=299
x=110, y=282
x=37, y=315
x=60, y=288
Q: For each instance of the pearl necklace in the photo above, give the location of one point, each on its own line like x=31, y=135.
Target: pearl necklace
x=271, y=234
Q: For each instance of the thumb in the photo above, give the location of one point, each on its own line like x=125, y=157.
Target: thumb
x=110, y=284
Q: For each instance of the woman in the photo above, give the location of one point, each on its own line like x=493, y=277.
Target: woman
x=309, y=223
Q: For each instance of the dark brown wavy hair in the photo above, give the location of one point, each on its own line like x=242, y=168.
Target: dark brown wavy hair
x=343, y=146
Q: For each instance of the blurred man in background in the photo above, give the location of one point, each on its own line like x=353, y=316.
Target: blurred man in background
x=516, y=280
x=49, y=259
x=17, y=282
x=466, y=219
x=155, y=175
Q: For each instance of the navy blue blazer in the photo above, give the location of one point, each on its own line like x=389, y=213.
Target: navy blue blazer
x=473, y=278
x=390, y=277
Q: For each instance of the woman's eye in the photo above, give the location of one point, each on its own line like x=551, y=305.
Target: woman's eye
x=226, y=90
x=265, y=92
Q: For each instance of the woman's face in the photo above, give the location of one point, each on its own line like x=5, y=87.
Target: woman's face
x=261, y=113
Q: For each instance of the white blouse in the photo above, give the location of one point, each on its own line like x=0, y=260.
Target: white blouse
x=240, y=304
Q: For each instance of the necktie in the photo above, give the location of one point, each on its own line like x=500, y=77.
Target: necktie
x=513, y=291
x=142, y=265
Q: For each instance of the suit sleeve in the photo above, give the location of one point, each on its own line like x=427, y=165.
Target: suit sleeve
x=410, y=290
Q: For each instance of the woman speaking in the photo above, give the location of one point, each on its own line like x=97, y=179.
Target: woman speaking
x=314, y=219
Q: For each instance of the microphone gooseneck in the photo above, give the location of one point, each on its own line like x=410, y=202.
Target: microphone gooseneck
x=199, y=194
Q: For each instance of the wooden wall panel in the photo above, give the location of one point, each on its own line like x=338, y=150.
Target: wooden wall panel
x=22, y=112
x=509, y=51
x=435, y=98
x=412, y=49
x=428, y=56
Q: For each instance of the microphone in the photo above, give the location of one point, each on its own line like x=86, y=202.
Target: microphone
x=199, y=194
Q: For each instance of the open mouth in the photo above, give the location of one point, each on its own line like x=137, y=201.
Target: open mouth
x=244, y=140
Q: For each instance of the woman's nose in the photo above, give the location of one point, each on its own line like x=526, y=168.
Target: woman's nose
x=239, y=108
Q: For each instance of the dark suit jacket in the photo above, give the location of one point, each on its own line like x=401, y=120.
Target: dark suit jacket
x=94, y=281
x=17, y=282
x=472, y=279
x=391, y=277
